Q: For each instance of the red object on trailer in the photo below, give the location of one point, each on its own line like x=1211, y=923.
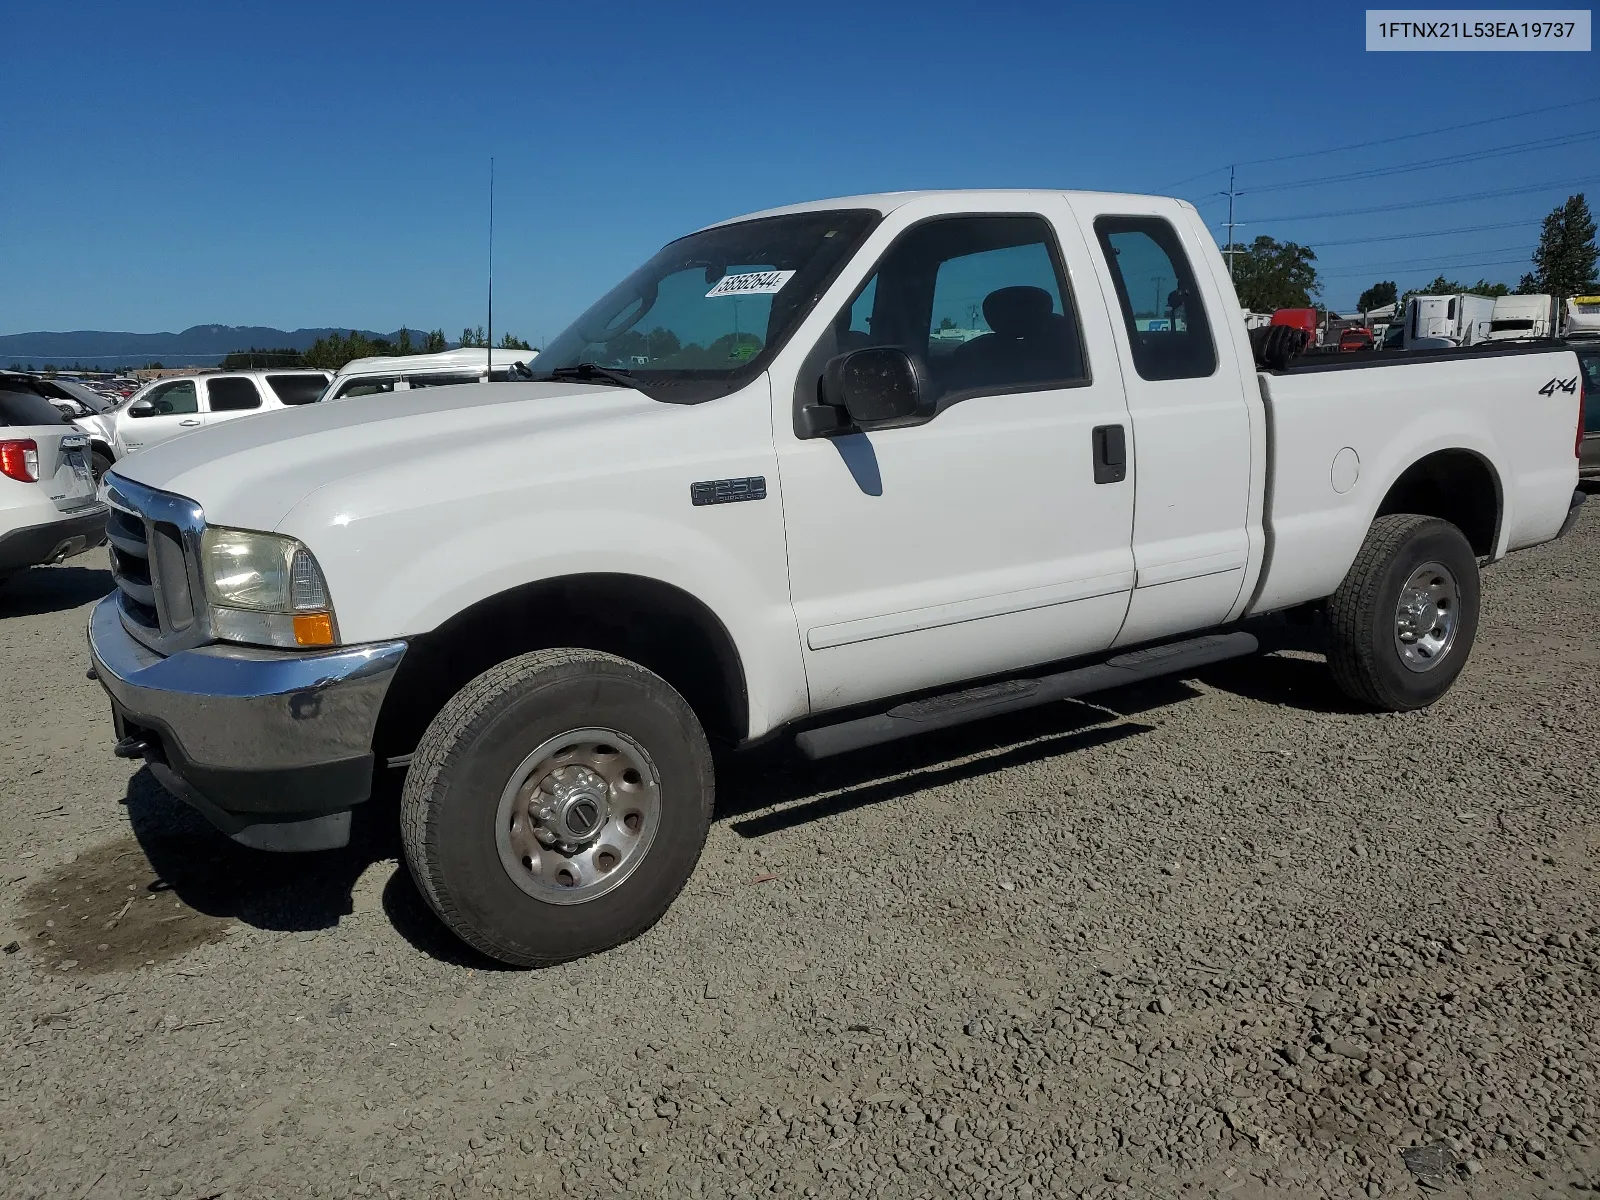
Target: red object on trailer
x=1356, y=339
x=1299, y=318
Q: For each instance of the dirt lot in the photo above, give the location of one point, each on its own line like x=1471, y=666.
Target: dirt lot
x=1220, y=937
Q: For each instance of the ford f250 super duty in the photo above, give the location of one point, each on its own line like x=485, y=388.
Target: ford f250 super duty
x=850, y=470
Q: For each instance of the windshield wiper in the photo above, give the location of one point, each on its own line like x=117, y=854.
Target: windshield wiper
x=589, y=372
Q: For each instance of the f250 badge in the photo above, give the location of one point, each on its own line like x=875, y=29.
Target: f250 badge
x=1569, y=386
x=728, y=491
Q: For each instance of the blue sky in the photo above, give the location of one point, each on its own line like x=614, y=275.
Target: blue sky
x=302, y=165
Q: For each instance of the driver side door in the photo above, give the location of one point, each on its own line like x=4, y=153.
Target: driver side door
x=177, y=411
x=984, y=539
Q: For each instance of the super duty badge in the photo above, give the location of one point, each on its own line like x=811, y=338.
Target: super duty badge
x=728, y=491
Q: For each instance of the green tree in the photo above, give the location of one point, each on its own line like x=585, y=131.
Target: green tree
x=240, y=360
x=509, y=342
x=1268, y=274
x=402, y=344
x=474, y=337
x=1377, y=296
x=1528, y=285
x=1564, y=260
x=1451, y=287
x=434, y=343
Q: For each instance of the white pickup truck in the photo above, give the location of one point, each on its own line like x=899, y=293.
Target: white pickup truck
x=851, y=470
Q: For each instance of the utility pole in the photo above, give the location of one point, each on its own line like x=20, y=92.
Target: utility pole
x=1232, y=224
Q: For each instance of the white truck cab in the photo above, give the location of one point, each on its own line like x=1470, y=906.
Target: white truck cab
x=1522, y=317
x=809, y=512
x=400, y=373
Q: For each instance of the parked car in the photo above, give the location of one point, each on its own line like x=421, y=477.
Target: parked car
x=48, y=507
x=166, y=408
x=1355, y=339
x=400, y=373
x=544, y=600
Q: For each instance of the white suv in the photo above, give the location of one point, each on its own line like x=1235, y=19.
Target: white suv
x=48, y=506
x=168, y=408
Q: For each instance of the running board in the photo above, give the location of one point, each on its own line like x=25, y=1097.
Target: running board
x=992, y=699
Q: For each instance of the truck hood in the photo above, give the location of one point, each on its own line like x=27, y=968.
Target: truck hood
x=250, y=471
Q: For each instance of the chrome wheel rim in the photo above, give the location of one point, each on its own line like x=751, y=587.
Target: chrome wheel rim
x=1427, y=616
x=578, y=815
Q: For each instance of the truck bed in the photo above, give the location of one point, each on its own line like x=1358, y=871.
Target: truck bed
x=1364, y=422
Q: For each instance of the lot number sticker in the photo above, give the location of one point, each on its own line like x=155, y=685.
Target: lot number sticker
x=751, y=283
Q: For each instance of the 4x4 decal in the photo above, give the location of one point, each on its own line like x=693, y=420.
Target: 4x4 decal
x=1569, y=386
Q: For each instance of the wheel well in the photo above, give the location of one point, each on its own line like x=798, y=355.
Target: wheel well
x=1457, y=486
x=654, y=624
x=95, y=444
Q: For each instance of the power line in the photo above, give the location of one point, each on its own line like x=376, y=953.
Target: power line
x=1439, y=259
x=1550, y=143
x=1403, y=237
x=1399, y=137
x=1428, y=264
x=1361, y=212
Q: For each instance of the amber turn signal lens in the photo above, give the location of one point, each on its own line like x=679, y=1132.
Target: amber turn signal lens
x=313, y=629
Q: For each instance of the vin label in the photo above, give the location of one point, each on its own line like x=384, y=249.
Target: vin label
x=728, y=491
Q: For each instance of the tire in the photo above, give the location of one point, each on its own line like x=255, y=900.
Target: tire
x=468, y=829
x=99, y=464
x=1372, y=641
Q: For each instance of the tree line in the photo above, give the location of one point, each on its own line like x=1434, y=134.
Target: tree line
x=1269, y=274
x=332, y=352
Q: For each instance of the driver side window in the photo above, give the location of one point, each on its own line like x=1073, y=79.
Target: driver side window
x=982, y=301
x=177, y=398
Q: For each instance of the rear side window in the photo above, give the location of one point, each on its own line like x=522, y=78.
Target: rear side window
x=297, y=389
x=372, y=385
x=20, y=408
x=1166, y=319
x=422, y=381
x=232, y=395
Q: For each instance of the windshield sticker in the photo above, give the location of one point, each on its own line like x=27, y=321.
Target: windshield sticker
x=751, y=283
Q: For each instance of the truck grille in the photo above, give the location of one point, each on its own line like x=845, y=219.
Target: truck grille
x=154, y=537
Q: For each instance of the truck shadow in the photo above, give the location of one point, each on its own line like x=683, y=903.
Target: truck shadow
x=53, y=589
x=761, y=791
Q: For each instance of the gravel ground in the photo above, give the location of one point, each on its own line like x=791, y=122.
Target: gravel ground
x=1218, y=937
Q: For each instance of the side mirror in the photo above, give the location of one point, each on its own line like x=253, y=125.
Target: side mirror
x=142, y=408
x=878, y=388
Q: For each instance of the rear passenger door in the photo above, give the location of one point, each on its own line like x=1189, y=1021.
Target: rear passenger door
x=230, y=396
x=1192, y=527
x=985, y=538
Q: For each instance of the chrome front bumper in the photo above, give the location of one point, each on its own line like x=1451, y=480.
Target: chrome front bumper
x=274, y=747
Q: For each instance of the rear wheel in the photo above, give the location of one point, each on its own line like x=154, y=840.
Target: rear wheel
x=1403, y=621
x=99, y=464
x=557, y=805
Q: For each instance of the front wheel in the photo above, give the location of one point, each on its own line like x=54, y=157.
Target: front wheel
x=557, y=805
x=1403, y=621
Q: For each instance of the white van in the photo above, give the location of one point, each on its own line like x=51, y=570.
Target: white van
x=469, y=364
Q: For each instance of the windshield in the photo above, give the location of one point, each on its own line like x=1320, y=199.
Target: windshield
x=706, y=314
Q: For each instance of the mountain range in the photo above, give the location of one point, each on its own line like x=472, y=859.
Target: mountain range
x=199, y=345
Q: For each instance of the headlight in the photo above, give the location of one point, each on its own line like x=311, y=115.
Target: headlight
x=265, y=588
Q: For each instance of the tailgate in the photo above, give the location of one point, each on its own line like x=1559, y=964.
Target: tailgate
x=64, y=470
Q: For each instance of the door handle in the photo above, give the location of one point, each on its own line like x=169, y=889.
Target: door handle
x=1110, y=454
x=191, y=421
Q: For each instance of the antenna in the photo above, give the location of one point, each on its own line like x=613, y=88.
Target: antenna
x=488, y=334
